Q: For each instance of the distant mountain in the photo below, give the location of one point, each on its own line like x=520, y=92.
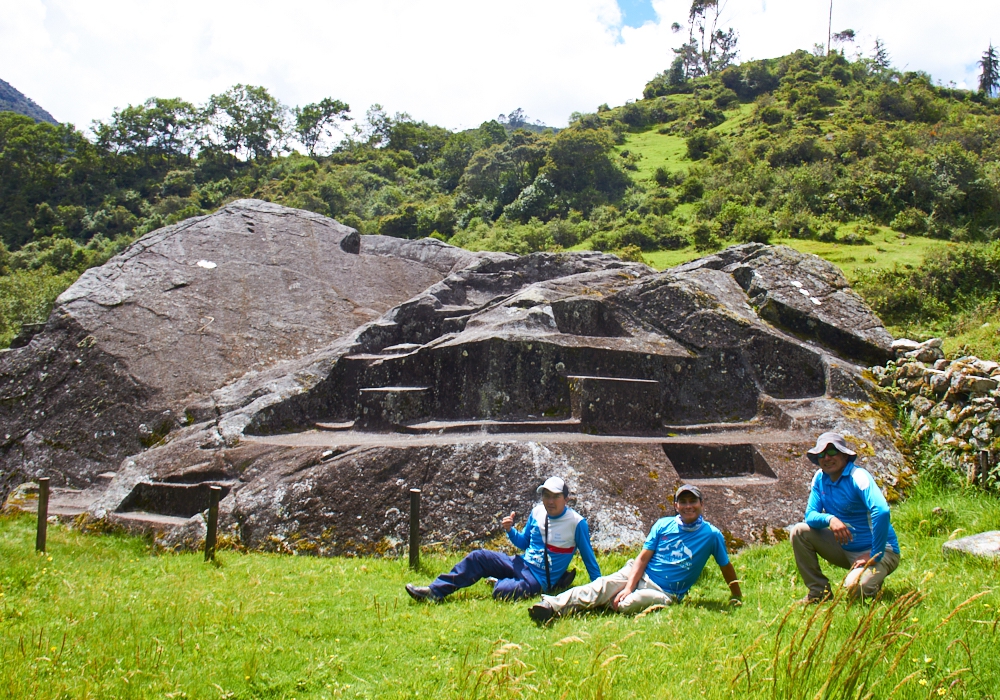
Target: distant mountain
x=11, y=100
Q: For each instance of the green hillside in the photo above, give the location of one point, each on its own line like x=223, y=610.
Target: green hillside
x=881, y=172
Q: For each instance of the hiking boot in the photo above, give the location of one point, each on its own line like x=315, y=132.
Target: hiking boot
x=814, y=599
x=565, y=581
x=541, y=612
x=421, y=593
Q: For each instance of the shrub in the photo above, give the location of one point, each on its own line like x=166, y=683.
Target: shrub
x=810, y=106
x=666, y=178
x=706, y=117
x=756, y=227
x=725, y=98
x=910, y=220
x=633, y=115
x=178, y=182
x=841, y=74
x=854, y=238
x=537, y=200
x=828, y=233
x=770, y=115
x=704, y=238
x=796, y=150
x=400, y=225
x=798, y=224
x=630, y=253
x=701, y=143
x=827, y=93
x=692, y=189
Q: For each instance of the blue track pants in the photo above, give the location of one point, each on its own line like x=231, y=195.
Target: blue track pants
x=514, y=579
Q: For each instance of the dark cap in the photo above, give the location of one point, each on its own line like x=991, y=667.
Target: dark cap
x=688, y=488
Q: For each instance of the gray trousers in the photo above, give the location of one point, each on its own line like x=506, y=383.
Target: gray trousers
x=809, y=544
x=600, y=592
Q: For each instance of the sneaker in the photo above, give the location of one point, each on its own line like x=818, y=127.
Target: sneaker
x=421, y=593
x=565, y=581
x=541, y=612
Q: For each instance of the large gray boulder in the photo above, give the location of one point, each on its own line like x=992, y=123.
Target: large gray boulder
x=624, y=380
x=134, y=348
x=984, y=545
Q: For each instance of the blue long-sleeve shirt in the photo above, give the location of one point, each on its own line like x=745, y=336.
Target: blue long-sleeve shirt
x=564, y=541
x=856, y=500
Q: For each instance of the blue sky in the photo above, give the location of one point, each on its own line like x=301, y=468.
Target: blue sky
x=450, y=62
x=636, y=13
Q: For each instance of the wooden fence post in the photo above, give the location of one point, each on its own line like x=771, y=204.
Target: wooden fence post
x=415, y=529
x=984, y=467
x=214, y=492
x=43, y=514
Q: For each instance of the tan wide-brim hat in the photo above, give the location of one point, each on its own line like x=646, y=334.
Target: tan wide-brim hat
x=824, y=441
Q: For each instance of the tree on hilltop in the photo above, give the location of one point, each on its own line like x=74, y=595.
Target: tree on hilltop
x=989, y=79
x=376, y=128
x=846, y=36
x=157, y=127
x=514, y=120
x=315, y=120
x=880, y=56
x=708, y=49
x=248, y=120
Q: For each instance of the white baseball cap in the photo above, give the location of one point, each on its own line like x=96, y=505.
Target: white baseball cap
x=553, y=485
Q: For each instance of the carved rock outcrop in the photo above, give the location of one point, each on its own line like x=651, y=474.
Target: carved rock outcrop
x=396, y=364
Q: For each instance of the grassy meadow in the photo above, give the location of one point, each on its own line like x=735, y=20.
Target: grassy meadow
x=884, y=249
x=107, y=617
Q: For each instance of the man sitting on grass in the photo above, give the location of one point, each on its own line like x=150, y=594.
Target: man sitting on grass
x=847, y=523
x=672, y=559
x=551, y=535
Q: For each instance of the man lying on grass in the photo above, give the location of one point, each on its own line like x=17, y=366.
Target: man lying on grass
x=552, y=534
x=672, y=559
x=847, y=523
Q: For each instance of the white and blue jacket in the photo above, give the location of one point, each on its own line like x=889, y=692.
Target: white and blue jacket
x=568, y=533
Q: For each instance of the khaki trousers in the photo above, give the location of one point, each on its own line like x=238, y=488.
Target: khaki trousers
x=809, y=544
x=600, y=593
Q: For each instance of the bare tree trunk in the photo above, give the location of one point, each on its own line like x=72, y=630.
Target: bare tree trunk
x=829, y=30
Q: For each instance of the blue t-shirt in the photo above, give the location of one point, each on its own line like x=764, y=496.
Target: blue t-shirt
x=680, y=553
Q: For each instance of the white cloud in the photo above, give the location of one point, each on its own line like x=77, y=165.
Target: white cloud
x=450, y=62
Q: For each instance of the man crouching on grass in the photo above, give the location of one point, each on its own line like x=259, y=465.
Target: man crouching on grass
x=847, y=524
x=672, y=559
x=551, y=536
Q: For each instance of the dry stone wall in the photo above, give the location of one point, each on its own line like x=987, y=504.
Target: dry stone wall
x=952, y=404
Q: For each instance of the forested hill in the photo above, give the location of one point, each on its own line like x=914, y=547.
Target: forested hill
x=802, y=147
x=11, y=100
